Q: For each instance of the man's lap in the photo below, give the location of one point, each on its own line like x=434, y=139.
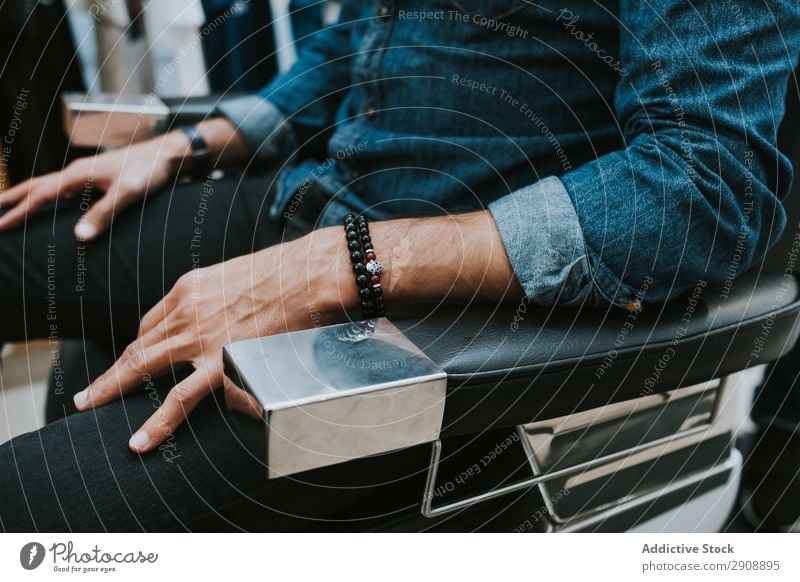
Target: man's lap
x=77, y=474
x=52, y=285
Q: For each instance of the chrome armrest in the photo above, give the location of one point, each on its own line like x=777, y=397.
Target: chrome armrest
x=336, y=393
x=329, y=396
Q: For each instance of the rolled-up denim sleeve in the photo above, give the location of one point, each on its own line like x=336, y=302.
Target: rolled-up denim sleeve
x=544, y=242
x=695, y=193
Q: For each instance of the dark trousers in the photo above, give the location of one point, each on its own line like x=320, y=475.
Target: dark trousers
x=77, y=472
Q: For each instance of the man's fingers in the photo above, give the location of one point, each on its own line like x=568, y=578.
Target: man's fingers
x=17, y=214
x=170, y=308
x=157, y=313
x=39, y=191
x=156, y=316
x=180, y=401
x=29, y=196
x=142, y=360
x=97, y=219
x=240, y=400
x=17, y=193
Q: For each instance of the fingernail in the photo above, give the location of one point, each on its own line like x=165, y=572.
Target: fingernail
x=139, y=440
x=85, y=230
x=80, y=398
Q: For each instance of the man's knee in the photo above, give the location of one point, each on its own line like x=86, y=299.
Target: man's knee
x=26, y=494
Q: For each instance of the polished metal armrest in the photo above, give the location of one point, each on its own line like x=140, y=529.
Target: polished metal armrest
x=336, y=393
x=463, y=371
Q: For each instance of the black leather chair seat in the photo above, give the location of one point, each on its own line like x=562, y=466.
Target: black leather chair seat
x=560, y=361
x=556, y=362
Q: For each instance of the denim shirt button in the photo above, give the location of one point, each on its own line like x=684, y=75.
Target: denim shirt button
x=384, y=12
x=370, y=113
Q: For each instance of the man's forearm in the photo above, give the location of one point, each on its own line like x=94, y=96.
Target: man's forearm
x=225, y=144
x=458, y=258
x=452, y=258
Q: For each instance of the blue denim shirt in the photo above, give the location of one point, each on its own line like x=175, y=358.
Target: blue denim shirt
x=625, y=150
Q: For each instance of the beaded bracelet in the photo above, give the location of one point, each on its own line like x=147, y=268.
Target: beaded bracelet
x=366, y=266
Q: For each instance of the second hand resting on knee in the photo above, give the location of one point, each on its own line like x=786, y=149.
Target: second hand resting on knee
x=282, y=288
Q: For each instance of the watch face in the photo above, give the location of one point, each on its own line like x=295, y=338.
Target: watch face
x=201, y=156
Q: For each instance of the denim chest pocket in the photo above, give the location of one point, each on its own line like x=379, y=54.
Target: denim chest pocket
x=489, y=8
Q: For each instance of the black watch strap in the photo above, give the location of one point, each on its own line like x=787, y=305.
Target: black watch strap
x=201, y=157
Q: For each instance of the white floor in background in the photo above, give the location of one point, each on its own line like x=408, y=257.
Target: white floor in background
x=23, y=388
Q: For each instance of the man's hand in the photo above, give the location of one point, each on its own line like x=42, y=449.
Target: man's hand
x=124, y=175
x=279, y=289
x=293, y=286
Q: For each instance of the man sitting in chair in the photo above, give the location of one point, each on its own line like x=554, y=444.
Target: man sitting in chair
x=490, y=151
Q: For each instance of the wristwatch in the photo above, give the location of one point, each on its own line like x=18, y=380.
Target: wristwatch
x=201, y=157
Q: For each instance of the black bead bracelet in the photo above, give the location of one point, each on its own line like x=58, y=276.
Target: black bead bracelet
x=366, y=267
